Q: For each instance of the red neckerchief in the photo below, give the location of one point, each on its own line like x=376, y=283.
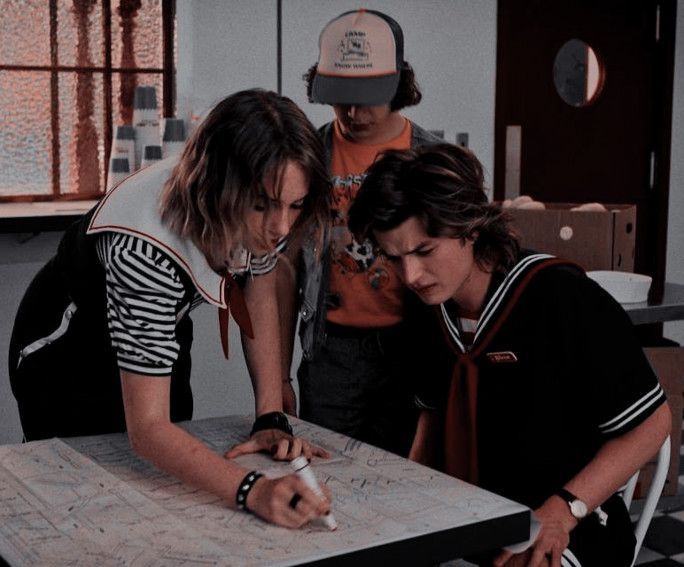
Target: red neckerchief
x=235, y=301
x=460, y=423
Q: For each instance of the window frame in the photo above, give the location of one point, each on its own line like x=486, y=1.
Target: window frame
x=107, y=70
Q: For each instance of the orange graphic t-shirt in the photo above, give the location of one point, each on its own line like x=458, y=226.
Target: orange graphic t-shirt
x=370, y=293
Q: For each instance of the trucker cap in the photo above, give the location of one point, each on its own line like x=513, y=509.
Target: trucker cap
x=361, y=54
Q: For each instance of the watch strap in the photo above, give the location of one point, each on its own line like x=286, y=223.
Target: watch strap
x=577, y=507
x=566, y=495
x=272, y=420
x=570, y=498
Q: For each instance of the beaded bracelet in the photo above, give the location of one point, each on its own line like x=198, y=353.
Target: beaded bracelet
x=243, y=490
x=271, y=420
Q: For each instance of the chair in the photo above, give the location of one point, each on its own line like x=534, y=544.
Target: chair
x=652, y=496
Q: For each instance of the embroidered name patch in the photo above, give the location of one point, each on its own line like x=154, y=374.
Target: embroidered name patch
x=502, y=357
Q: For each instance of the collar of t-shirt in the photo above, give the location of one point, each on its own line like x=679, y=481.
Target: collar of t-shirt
x=467, y=320
x=358, y=156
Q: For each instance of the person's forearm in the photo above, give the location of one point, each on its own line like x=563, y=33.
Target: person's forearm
x=286, y=282
x=287, y=308
x=615, y=462
x=176, y=452
x=263, y=354
x=620, y=458
x=427, y=433
x=167, y=446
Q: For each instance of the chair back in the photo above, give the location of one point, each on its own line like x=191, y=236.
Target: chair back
x=652, y=495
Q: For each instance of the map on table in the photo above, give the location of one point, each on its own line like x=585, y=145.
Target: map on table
x=90, y=501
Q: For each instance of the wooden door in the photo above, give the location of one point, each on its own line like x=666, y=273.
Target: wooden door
x=615, y=147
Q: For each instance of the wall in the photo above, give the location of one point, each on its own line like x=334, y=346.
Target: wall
x=227, y=45
x=223, y=46
x=21, y=256
x=675, y=226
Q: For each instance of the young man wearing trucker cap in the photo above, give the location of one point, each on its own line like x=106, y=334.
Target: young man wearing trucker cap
x=355, y=370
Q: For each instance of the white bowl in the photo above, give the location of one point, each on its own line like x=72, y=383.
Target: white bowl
x=625, y=287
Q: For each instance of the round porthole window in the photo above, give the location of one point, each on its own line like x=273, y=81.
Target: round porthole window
x=578, y=74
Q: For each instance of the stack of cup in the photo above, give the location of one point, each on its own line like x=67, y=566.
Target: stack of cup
x=145, y=121
x=119, y=169
x=173, y=138
x=123, y=144
x=151, y=154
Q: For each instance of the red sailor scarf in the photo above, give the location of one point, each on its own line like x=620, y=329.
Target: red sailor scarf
x=460, y=424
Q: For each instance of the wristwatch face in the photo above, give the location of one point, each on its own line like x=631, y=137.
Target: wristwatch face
x=578, y=509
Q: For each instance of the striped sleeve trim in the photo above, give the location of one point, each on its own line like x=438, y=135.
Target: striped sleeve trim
x=422, y=405
x=622, y=421
x=569, y=559
x=144, y=297
x=143, y=370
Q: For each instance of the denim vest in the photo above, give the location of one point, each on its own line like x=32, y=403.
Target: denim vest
x=313, y=278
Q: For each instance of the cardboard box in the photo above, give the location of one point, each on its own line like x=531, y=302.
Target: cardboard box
x=603, y=240
x=668, y=364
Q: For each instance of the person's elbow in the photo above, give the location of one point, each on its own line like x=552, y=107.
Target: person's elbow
x=140, y=438
x=661, y=424
x=651, y=434
x=136, y=440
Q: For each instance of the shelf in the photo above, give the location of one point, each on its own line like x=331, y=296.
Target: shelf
x=41, y=216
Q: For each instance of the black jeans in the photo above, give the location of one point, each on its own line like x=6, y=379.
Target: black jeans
x=358, y=384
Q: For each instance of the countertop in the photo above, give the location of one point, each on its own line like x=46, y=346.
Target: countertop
x=670, y=308
x=41, y=216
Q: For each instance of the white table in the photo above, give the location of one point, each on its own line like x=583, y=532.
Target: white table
x=89, y=501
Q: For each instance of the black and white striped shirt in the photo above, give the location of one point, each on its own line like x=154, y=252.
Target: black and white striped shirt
x=146, y=297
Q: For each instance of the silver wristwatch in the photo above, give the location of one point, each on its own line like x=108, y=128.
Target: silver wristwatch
x=578, y=508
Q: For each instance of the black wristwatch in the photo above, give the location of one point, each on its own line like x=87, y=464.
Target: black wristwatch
x=577, y=507
x=271, y=420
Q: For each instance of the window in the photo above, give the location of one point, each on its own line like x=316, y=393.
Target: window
x=68, y=72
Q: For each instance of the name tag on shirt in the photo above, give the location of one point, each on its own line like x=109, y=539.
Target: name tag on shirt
x=502, y=357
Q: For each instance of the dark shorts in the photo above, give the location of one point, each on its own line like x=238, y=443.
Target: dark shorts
x=67, y=381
